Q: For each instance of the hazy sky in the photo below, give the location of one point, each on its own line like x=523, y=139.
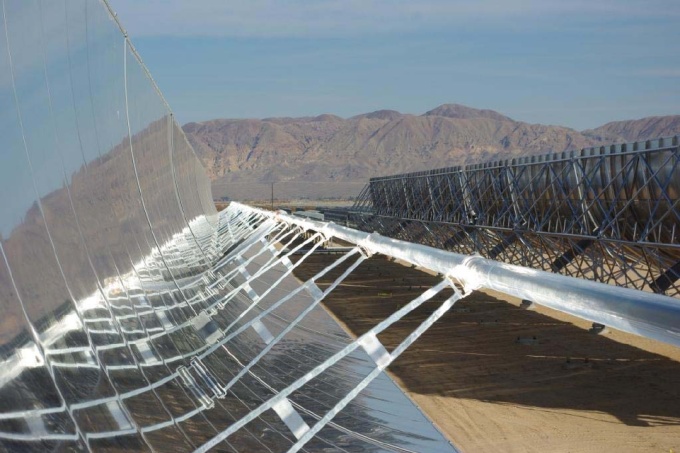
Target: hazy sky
x=570, y=62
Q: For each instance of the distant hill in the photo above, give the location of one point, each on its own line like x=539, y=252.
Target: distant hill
x=635, y=130
x=330, y=156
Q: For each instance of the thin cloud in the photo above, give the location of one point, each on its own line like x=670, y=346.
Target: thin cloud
x=660, y=72
x=330, y=18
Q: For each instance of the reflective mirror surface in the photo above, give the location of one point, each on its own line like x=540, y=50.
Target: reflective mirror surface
x=134, y=317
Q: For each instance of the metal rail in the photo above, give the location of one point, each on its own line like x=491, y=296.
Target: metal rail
x=641, y=313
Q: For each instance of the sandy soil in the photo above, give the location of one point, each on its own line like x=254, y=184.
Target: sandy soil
x=496, y=377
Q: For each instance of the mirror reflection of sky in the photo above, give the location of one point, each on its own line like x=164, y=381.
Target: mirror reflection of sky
x=576, y=63
x=66, y=104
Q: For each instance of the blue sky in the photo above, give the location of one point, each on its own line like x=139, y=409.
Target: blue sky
x=569, y=62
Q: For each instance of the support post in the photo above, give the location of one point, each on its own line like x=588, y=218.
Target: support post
x=506, y=241
x=666, y=279
x=572, y=253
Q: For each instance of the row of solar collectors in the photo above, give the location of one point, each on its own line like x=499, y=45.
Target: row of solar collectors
x=625, y=192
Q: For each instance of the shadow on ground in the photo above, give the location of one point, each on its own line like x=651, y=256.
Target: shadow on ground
x=491, y=350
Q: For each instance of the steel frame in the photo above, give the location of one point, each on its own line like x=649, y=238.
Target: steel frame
x=608, y=213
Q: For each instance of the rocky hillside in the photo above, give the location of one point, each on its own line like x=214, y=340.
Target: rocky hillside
x=634, y=130
x=324, y=152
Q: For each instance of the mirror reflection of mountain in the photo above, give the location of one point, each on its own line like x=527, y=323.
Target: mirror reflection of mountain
x=104, y=194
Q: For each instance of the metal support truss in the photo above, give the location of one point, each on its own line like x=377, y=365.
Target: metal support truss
x=647, y=314
x=652, y=315
x=608, y=214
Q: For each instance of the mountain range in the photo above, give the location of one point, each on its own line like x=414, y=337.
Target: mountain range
x=329, y=156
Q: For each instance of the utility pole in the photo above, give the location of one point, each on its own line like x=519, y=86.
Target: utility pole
x=272, y=196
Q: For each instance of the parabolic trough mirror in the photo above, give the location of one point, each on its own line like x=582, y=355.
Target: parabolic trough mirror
x=135, y=317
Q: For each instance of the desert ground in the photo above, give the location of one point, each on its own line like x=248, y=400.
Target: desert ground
x=496, y=377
